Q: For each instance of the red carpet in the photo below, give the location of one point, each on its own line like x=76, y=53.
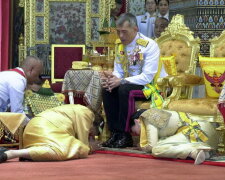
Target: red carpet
x=109, y=167
x=152, y=157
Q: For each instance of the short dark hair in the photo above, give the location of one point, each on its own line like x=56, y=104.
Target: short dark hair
x=127, y=17
x=162, y=18
x=166, y=0
x=156, y=2
x=136, y=115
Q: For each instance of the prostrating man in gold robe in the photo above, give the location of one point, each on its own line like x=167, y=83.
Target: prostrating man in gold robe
x=57, y=134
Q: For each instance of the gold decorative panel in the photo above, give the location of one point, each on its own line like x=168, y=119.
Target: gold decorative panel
x=63, y=21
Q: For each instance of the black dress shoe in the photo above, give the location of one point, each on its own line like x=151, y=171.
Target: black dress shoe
x=3, y=157
x=111, y=140
x=24, y=159
x=124, y=141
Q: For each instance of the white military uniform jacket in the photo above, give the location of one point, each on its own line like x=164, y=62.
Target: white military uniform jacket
x=12, y=86
x=165, y=16
x=143, y=71
x=146, y=24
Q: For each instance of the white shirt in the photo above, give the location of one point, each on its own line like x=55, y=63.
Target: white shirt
x=143, y=73
x=165, y=16
x=146, y=24
x=12, y=87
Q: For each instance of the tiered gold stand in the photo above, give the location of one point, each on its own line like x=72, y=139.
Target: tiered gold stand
x=106, y=60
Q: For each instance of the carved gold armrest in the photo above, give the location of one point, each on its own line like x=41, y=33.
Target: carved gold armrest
x=191, y=79
x=163, y=84
x=175, y=84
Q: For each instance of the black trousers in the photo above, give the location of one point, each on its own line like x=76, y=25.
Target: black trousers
x=116, y=106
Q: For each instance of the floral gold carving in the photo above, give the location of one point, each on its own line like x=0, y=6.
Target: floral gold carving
x=177, y=30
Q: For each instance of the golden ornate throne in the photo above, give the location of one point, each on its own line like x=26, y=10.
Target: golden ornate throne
x=217, y=46
x=178, y=41
x=204, y=107
x=201, y=106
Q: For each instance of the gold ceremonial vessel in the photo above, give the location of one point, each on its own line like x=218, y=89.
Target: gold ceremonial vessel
x=105, y=61
x=97, y=59
x=109, y=37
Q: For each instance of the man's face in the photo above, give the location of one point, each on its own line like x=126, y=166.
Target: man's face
x=163, y=7
x=126, y=33
x=150, y=6
x=136, y=128
x=160, y=26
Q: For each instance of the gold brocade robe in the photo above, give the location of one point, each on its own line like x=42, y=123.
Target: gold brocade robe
x=59, y=133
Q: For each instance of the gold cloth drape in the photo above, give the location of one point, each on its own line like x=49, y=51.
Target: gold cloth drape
x=12, y=121
x=11, y=127
x=60, y=133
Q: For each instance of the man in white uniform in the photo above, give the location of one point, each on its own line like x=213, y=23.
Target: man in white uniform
x=163, y=6
x=136, y=64
x=146, y=21
x=13, y=83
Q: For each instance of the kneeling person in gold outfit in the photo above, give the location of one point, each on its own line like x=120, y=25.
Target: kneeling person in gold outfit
x=58, y=134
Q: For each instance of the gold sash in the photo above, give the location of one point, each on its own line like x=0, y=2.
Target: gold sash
x=192, y=129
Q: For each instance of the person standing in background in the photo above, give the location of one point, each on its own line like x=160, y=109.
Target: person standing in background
x=147, y=20
x=163, y=8
x=160, y=25
x=115, y=12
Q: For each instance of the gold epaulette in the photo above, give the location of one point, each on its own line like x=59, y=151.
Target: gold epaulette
x=142, y=42
x=118, y=41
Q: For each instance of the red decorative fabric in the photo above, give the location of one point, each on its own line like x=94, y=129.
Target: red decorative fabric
x=100, y=49
x=18, y=71
x=77, y=100
x=4, y=34
x=64, y=56
x=56, y=87
x=124, y=7
x=131, y=105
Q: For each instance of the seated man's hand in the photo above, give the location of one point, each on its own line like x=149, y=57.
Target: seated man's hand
x=107, y=73
x=105, y=76
x=113, y=82
x=104, y=80
x=94, y=145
